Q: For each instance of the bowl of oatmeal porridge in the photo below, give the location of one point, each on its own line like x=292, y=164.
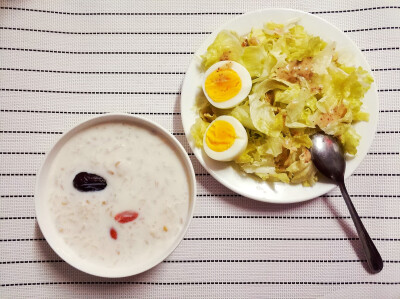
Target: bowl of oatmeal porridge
x=115, y=195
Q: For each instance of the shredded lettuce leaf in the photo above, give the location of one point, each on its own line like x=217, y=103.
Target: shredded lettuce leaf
x=242, y=113
x=253, y=59
x=350, y=140
x=301, y=85
x=198, y=130
x=227, y=46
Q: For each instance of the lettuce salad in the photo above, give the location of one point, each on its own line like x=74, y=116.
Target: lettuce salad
x=300, y=86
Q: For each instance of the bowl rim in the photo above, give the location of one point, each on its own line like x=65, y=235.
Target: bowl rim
x=58, y=246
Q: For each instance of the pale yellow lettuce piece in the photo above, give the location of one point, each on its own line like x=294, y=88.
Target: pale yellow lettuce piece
x=226, y=46
x=198, y=130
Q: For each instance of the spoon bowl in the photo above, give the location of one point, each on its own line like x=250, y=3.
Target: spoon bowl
x=328, y=157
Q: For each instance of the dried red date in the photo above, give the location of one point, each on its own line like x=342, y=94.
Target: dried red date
x=88, y=182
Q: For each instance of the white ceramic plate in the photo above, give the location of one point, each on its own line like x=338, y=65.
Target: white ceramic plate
x=247, y=185
x=49, y=229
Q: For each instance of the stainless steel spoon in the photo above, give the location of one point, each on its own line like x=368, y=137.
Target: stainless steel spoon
x=328, y=158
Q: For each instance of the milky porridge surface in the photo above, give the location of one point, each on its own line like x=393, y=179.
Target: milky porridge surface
x=144, y=174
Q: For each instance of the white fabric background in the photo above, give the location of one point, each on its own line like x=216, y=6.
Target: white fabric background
x=53, y=74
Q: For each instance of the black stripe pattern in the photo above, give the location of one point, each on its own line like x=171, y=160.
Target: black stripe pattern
x=129, y=73
x=39, y=107
x=248, y=217
x=238, y=239
x=141, y=52
x=200, y=283
x=159, y=33
x=181, y=13
x=215, y=261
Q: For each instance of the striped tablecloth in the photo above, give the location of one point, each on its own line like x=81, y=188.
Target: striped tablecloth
x=62, y=62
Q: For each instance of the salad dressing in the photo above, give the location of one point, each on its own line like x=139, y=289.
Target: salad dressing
x=296, y=69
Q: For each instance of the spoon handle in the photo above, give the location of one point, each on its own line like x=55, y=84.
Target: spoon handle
x=374, y=259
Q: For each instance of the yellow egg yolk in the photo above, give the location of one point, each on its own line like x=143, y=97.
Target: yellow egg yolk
x=220, y=136
x=223, y=84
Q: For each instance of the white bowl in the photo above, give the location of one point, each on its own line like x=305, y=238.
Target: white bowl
x=47, y=224
x=248, y=185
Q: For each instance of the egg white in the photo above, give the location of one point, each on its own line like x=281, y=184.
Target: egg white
x=244, y=77
x=237, y=147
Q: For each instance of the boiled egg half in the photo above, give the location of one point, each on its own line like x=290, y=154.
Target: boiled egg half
x=226, y=84
x=225, y=139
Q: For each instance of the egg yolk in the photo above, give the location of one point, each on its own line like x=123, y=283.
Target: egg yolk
x=220, y=136
x=223, y=84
